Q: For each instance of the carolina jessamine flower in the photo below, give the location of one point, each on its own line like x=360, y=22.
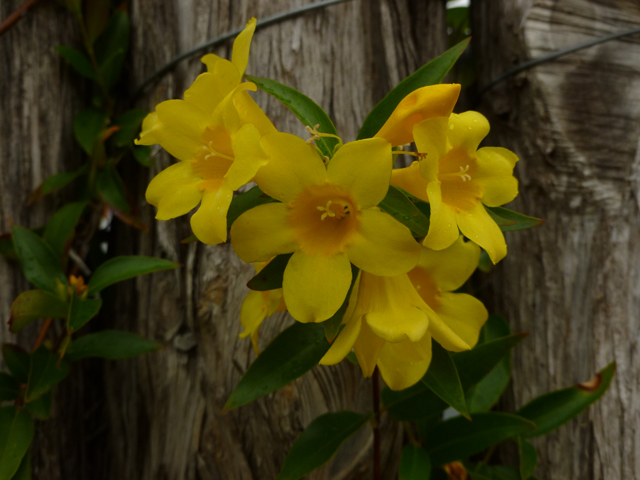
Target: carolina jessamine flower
x=457, y=179
x=395, y=318
x=327, y=219
x=216, y=121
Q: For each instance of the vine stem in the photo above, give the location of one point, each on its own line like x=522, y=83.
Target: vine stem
x=376, y=427
x=42, y=334
x=15, y=16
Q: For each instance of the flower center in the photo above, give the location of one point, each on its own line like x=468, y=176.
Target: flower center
x=464, y=176
x=333, y=210
x=457, y=171
x=212, y=164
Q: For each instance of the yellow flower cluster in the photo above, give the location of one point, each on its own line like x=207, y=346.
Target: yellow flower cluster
x=326, y=214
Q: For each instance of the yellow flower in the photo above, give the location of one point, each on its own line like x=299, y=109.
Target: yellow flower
x=216, y=122
x=457, y=179
x=327, y=219
x=395, y=318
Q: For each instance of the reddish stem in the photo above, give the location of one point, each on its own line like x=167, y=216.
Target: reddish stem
x=376, y=429
x=42, y=333
x=15, y=16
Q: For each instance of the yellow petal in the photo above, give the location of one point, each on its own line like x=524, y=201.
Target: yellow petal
x=181, y=128
x=241, y=45
x=495, y=175
x=343, y=344
x=225, y=117
x=221, y=66
x=249, y=156
x=464, y=314
x=315, y=286
x=367, y=349
x=479, y=227
x=250, y=112
x=208, y=90
x=209, y=223
x=451, y=267
x=363, y=168
x=146, y=135
x=431, y=140
x=293, y=166
x=445, y=336
x=411, y=180
x=382, y=245
x=174, y=191
x=425, y=102
x=263, y=232
x=252, y=312
x=443, y=230
x=467, y=130
x=404, y=364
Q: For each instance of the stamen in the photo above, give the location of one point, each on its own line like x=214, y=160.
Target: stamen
x=464, y=176
x=213, y=153
x=329, y=212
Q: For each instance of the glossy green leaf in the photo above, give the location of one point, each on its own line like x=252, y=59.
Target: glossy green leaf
x=290, y=355
x=44, y=373
x=39, y=263
x=122, y=268
x=319, y=442
x=553, y=409
x=81, y=311
x=110, y=344
x=129, y=123
x=9, y=388
x=430, y=74
x=528, y=458
x=246, y=201
x=56, y=182
x=16, y=432
x=87, y=127
x=111, y=188
x=332, y=325
x=398, y=205
x=77, y=60
x=34, y=304
x=40, y=408
x=24, y=470
x=510, y=221
x=415, y=463
x=112, y=46
x=60, y=228
x=270, y=277
x=142, y=154
x=17, y=360
x=307, y=111
x=443, y=380
x=458, y=438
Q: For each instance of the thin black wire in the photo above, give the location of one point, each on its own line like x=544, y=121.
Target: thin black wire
x=223, y=38
x=554, y=55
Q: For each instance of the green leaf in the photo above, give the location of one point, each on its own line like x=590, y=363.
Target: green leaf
x=307, y=111
x=129, y=123
x=87, y=127
x=110, y=68
x=430, y=74
x=39, y=263
x=443, y=380
x=16, y=432
x=122, y=268
x=60, y=228
x=6, y=247
x=9, y=388
x=24, y=470
x=246, y=201
x=96, y=17
x=56, y=182
x=415, y=463
x=553, y=409
x=510, y=221
x=17, y=360
x=142, y=154
x=44, y=373
x=270, y=277
x=332, y=325
x=111, y=188
x=458, y=438
x=319, y=442
x=528, y=458
x=110, y=344
x=40, y=408
x=77, y=60
x=290, y=355
x=81, y=311
x=398, y=205
x=34, y=304
x=113, y=42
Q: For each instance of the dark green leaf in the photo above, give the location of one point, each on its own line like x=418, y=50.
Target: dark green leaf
x=110, y=68
x=142, y=154
x=56, y=182
x=443, y=380
x=77, y=60
x=40, y=408
x=319, y=442
x=16, y=432
x=129, y=123
x=405, y=211
x=458, y=438
x=17, y=360
x=60, y=228
x=270, y=277
x=122, y=268
x=34, y=304
x=332, y=325
x=111, y=188
x=81, y=311
x=553, y=409
x=485, y=264
x=96, y=17
x=528, y=458
x=87, y=127
x=114, y=39
x=430, y=74
x=6, y=247
x=24, y=470
x=307, y=111
x=290, y=355
x=509, y=221
x=9, y=388
x=44, y=373
x=39, y=263
x=246, y=201
x=415, y=463
x=110, y=344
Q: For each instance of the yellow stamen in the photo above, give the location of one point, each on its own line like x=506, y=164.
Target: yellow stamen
x=333, y=213
x=213, y=153
x=462, y=174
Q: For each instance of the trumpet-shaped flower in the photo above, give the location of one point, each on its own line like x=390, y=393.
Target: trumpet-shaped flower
x=395, y=318
x=457, y=178
x=216, y=121
x=327, y=219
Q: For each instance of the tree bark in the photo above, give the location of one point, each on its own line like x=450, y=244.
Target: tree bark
x=572, y=283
